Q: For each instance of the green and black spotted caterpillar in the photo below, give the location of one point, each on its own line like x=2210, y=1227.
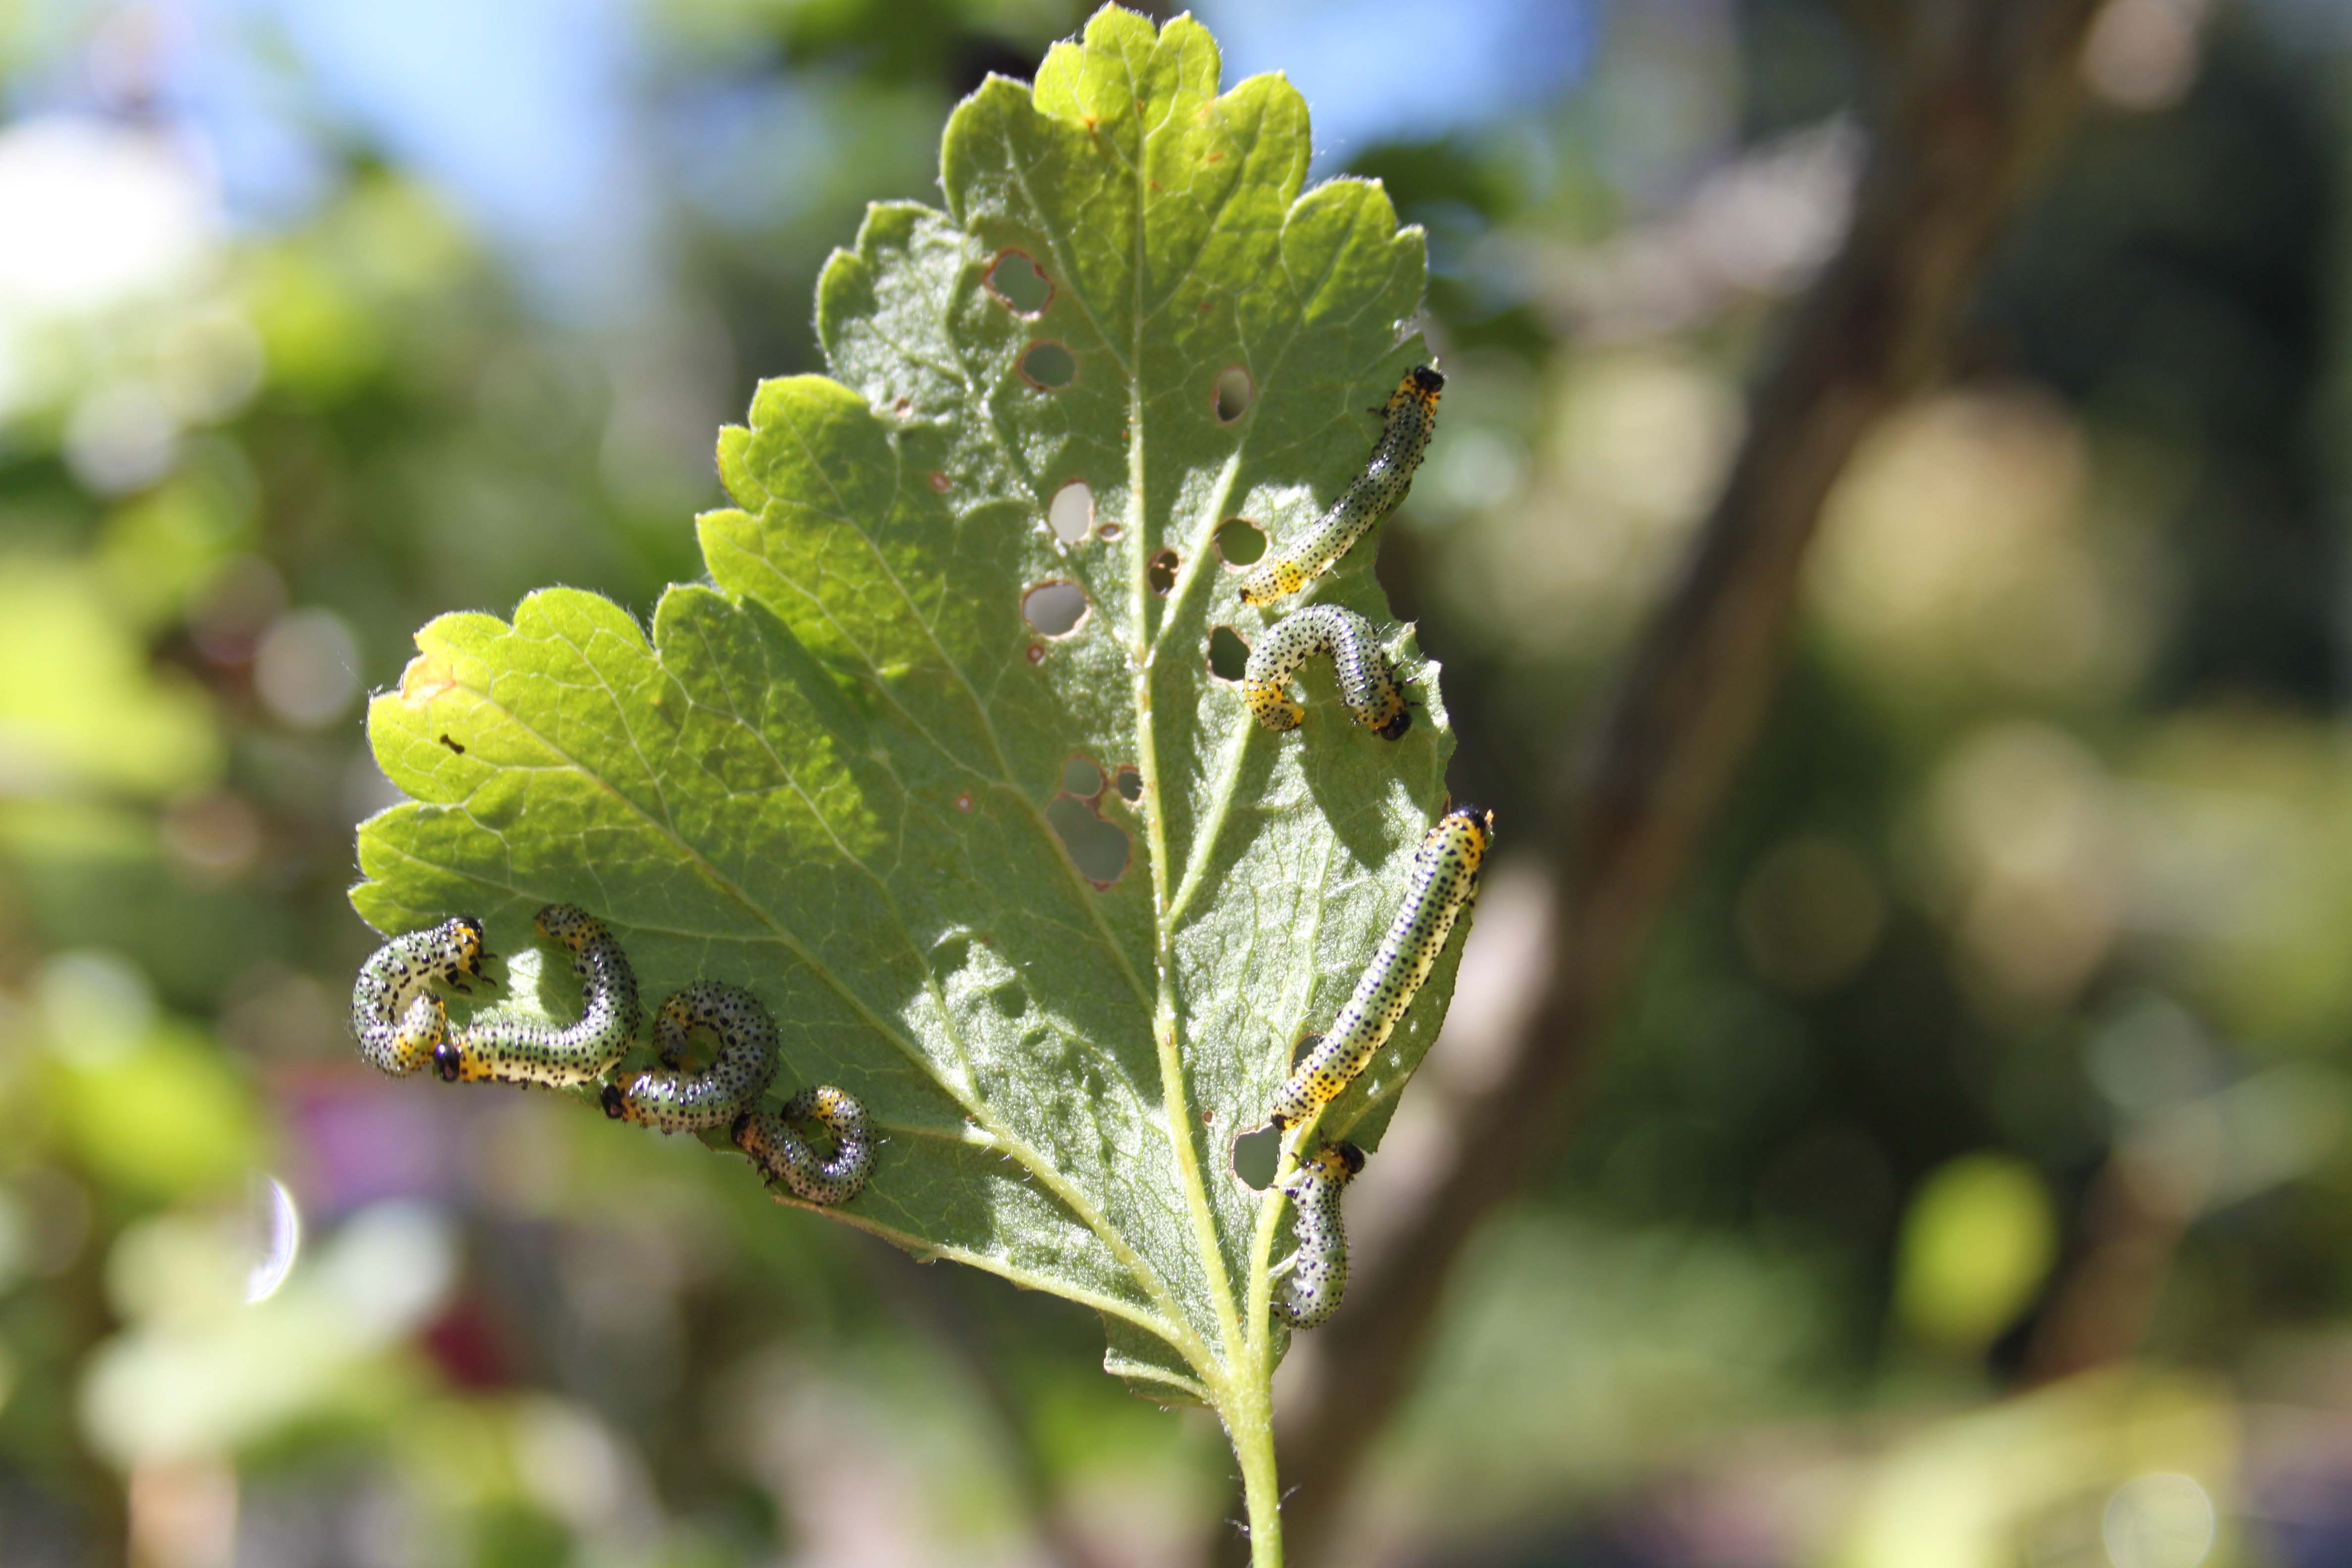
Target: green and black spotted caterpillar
x=727, y=1093
x=401, y=1025
x=497, y=1048
x=1444, y=881
x=678, y=1101
x=1407, y=421
x=397, y=1021
x=1368, y=686
x=785, y=1159
x=1316, y=1276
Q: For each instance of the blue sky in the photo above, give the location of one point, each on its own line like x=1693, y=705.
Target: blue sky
x=527, y=112
x=1376, y=70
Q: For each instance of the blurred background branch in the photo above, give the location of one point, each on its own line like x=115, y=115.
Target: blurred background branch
x=1969, y=97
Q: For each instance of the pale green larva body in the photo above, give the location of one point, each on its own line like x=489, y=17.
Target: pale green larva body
x=397, y=1020
x=675, y=1100
x=1407, y=421
x=1368, y=686
x=786, y=1159
x=1316, y=1277
x=1444, y=881
x=503, y=1048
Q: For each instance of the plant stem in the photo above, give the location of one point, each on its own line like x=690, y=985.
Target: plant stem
x=1246, y=1401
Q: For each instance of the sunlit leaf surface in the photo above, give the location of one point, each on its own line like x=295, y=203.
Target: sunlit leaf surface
x=1011, y=865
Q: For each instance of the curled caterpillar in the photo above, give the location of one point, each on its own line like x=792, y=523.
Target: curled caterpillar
x=395, y=1017
x=1445, y=881
x=1407, y=421
x=1316, y=1274
x=678, y=1101
x=784, y=1156
x=1367, y=683
x=503, y=1048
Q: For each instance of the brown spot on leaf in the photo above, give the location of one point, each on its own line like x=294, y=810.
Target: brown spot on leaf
x=426, y=679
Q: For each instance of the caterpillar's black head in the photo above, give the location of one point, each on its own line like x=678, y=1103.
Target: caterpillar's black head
x=617, y=1104
x=1426, y=380
x=445, y=1062
x=1350, y=1156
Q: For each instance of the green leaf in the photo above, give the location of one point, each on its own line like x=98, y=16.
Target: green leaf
x=833, y=773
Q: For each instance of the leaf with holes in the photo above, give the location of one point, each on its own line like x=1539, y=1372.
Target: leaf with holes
x=937, y=762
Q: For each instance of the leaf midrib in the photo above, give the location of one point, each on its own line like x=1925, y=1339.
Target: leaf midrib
x=1182, y=1129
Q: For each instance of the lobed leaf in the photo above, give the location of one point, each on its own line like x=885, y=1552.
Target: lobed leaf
x=848, y=772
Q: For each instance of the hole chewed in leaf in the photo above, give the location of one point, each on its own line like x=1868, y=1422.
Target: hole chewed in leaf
x=1161, y=572
x=1071, y=515
x=1240, y=542
x=1130, y=784
x=1228, y=655
x=1048, y=365
x=1098, y=848
x=1055, y=609
x=1235, y=392
x=1081, y=778
x=1257, y=1156
x=1019, y=284
x=1109, y=531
